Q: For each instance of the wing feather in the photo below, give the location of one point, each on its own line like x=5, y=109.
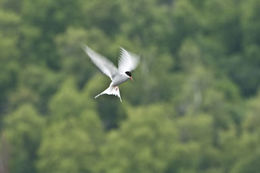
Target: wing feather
x=104, y=65
x=128, y=61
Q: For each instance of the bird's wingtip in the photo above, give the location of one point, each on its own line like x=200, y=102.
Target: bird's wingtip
x=122, y=49
x=85, y=47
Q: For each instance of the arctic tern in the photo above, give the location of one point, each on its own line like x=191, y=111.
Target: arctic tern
x=127, y=63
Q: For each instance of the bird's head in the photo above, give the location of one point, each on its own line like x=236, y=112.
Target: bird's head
x=129, y=75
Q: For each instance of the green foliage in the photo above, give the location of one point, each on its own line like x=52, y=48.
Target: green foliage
x=8, y=52
x=193, y=105
x=71, y=145
x=23, y=130
x=249, y=164
x=143, y=143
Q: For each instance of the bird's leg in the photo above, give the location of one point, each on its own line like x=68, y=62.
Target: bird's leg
x=116, y=87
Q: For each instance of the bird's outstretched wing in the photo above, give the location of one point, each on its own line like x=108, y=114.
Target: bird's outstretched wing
x=104, y=65
x=128, y=61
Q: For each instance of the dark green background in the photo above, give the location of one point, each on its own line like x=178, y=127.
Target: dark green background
x=194, y=105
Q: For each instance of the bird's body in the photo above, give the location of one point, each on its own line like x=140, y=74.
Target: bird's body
x=127, y=62
x=119, y=79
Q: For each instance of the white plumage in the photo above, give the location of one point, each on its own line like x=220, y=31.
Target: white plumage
x=127, y=62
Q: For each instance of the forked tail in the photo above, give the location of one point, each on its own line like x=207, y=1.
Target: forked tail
x=111, y=90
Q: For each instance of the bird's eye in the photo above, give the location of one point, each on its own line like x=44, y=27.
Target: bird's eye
x=128, y=73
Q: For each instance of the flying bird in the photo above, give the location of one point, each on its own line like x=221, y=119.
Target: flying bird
x=127, y=63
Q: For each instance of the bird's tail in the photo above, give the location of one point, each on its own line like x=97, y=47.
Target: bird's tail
x=111, y=90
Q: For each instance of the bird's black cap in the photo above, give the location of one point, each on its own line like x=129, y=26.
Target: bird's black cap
x=128, y=73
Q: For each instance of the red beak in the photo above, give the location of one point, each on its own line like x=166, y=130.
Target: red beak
x=131, y=78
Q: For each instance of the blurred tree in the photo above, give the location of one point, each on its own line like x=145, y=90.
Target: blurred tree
x=12, y=5
x=45, y=19
x=68, y=101
x=195, y=151
x=8, y=56
x=23, y=133
x=248, y=164
x=104, y=15
x=4, y=155
x=244, y=69
x=223, y=24
x=200, y=87
x=192, y=107
x=145, y=22
x=142, y=143
x=72, y=144
x=38, y=90
x=196, y=129
x=250, y=22
x=252, y=120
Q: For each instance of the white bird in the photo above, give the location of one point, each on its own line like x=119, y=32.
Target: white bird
x=127, y=63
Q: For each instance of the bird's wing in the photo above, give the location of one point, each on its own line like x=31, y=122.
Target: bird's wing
x=105, y=66
x=128, y=61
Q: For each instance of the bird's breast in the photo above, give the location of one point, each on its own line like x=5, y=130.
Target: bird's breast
x=119, y=80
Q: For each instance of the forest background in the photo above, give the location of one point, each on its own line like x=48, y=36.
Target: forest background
x=193, y=107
